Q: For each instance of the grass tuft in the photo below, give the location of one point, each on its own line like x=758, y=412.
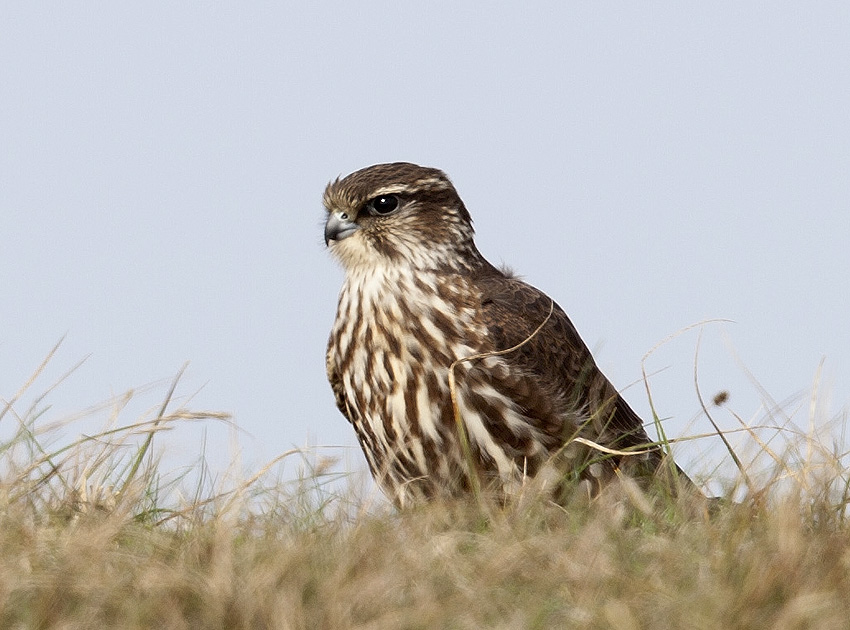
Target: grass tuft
x=93, y=534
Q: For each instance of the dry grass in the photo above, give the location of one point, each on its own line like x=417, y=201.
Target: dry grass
x=90, y=537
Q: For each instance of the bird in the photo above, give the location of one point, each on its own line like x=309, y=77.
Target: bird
x=458, y=377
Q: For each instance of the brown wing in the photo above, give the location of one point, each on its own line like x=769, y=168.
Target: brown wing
x=556, y=358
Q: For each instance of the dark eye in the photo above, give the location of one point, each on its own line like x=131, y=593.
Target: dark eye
x=383, y=204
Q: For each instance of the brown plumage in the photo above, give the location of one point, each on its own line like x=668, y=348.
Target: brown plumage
x=419, y=300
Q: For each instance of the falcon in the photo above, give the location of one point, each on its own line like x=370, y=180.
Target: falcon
x=457, y=376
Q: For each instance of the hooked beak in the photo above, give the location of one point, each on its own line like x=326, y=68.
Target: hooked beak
x=339, y=226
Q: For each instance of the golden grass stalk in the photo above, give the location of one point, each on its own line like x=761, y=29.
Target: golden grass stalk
x=272, y=552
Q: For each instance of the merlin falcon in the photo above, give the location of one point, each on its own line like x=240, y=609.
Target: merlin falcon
x=457, y=376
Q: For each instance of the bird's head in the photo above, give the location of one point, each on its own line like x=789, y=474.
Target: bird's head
x=398, y=213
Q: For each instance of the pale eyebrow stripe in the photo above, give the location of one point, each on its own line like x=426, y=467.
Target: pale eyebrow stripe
x=393, y=189
x=396, y=189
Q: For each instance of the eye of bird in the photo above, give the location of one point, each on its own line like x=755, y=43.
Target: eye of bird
x=383, y=204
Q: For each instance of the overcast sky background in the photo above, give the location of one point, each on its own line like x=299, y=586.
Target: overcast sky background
x=649, y=165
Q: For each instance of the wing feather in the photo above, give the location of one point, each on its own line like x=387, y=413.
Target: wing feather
x=556, y=359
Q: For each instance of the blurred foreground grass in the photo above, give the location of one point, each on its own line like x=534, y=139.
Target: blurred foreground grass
x=91, y=536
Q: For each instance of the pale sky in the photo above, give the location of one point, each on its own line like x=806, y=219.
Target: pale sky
x=648, y=165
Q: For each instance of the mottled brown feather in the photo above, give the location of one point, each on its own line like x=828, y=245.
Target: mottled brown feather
x=555, y=359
